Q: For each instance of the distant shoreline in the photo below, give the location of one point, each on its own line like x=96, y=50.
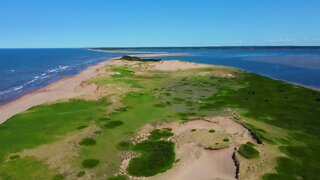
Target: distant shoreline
x=207, y=47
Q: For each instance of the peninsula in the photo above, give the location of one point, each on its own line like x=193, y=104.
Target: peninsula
x=142, y=118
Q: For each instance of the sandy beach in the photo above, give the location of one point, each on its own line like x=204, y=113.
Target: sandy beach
x=65, y=88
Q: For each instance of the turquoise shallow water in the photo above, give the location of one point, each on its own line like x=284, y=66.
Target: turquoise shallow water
x=25, y=70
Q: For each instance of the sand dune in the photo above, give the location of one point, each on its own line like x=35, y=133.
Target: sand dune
x=197, y=162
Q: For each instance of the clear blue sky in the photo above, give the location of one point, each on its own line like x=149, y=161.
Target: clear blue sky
x=118, y=23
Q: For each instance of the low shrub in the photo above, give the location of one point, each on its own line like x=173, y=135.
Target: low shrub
x=90, y=163
x=212, y=131
x=248, y=151
x=113, y=124
x=15, y=156
x=82, y=127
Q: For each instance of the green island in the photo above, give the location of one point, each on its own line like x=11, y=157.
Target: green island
x=144, y=120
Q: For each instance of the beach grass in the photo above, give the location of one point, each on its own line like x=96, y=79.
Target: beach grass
x=47, y=123
x=26, y=168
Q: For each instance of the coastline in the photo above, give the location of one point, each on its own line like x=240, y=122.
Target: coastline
x=65, y=88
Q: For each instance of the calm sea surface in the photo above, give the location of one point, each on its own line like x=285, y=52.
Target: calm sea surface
x=25, y=70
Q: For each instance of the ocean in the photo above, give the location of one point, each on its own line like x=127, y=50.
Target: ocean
x=25, y=70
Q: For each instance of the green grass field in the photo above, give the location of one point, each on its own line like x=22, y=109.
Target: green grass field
x=160, y=97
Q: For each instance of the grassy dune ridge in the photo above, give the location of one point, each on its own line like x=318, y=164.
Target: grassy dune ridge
x=153, y=96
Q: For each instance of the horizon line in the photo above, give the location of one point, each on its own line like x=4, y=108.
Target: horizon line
x=141, y=47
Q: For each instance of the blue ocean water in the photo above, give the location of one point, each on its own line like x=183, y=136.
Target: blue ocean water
x=296, y=65
x=25, y=70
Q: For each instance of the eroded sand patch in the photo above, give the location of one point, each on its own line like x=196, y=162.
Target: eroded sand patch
x=198, y=163
x=175, y=65
x=201, y=153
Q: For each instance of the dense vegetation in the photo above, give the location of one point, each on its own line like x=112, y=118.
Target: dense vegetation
x=160, y=133
x=283, y=105
x=134, y=58
x=156, y=157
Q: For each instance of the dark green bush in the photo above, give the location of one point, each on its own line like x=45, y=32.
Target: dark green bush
x=15, y=156
x=82, y=127
x=87, y=142
x=248, y=151
x=90, y=163
x=113, y=124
